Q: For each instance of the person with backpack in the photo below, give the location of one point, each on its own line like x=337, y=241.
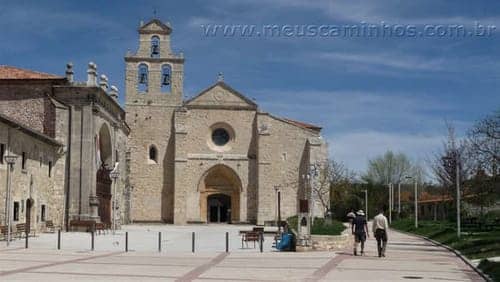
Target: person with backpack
x=360, y=230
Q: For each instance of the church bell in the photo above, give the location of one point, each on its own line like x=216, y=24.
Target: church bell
x=165, y=79
x=143, y=79
x=155, y=50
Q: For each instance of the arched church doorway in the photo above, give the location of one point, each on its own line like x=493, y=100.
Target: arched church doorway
x=103, y=181
x=218, y=208
x=220, y=190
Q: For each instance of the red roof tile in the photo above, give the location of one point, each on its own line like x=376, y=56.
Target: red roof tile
x=9, y=72
x=303, y=124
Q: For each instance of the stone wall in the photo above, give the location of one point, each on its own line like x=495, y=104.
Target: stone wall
x=331, y=243
x=34, y=181
x=37, y=110
x=283, y=158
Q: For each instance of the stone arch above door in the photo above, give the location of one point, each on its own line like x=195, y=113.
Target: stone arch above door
x=220, y=179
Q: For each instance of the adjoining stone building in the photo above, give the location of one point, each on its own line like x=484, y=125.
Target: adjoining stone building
x=213, y=158
x=67, y=136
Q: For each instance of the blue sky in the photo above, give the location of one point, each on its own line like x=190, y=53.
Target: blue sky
x=369, y=94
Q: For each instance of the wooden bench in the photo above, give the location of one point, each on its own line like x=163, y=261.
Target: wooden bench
x=3, y=231
x=21, y=229
x=89, y=225
x=49, y=226
x=101, y=227
x=250, y=236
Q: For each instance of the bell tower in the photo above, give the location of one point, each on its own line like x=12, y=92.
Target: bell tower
x=154, y=74
x=154, y=90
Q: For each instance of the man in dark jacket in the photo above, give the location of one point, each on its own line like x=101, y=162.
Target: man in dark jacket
x=360, y=230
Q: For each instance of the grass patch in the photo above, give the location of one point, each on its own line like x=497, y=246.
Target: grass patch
x=321, y=226
x=491, y=268
x=474, y=245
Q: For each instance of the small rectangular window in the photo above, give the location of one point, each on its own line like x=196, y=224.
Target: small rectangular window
x=16, y=211
x=50, y=169
x=2, y=153
x=23, y=161
x=43, y=213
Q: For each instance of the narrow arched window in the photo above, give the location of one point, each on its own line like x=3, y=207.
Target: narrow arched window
x=143, y=75
x=155, y=47
x=153, y=154
x=166, y=76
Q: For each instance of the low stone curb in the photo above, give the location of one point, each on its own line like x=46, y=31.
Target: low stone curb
x=457, y=253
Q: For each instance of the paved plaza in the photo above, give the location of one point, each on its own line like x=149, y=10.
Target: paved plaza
x=408, y=258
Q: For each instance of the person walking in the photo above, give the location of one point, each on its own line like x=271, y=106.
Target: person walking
x=380, y=227
x=360, y=230
x=350, y=216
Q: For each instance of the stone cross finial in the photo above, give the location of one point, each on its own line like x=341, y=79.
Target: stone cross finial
x=220, y=77
x=69, y=72
x=113, y=92
x=92, y=74
x=103, y=83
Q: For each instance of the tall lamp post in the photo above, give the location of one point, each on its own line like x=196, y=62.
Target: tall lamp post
x=277, y=188
x=456, y=159
x=390, y=202
x=11, y=160
x=366, y=203
x=399, y=199
x=114, y=174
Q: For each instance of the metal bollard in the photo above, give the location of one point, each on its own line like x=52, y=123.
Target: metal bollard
x=192, y=242
x=126, y=241
x=26, y=243
x=261, y=239
x=227, y=242
x=59, y=239
x=159, y=241
x=92, y=240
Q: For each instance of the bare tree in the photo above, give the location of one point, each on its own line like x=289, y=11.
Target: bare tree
x=331, y=174
x=483, y=142
x=444, y=165
x=389, y=168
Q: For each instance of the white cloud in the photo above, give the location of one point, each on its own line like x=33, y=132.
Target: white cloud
x=397, y=61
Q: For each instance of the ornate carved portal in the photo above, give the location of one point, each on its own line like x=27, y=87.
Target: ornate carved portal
x=104, y=195
x=220, y=195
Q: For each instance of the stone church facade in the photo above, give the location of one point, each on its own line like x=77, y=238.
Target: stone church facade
x=213, y=158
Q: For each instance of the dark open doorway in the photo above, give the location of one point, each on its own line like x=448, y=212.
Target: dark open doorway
x=218, y=208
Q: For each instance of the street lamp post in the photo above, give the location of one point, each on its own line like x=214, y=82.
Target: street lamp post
x=416, y=203
x=114, y=174
x=277, y=188
x=11, y=160
x=458, y=193
x=390, y=202
x=366, y=203
x=399, y=200
x=456, y=159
